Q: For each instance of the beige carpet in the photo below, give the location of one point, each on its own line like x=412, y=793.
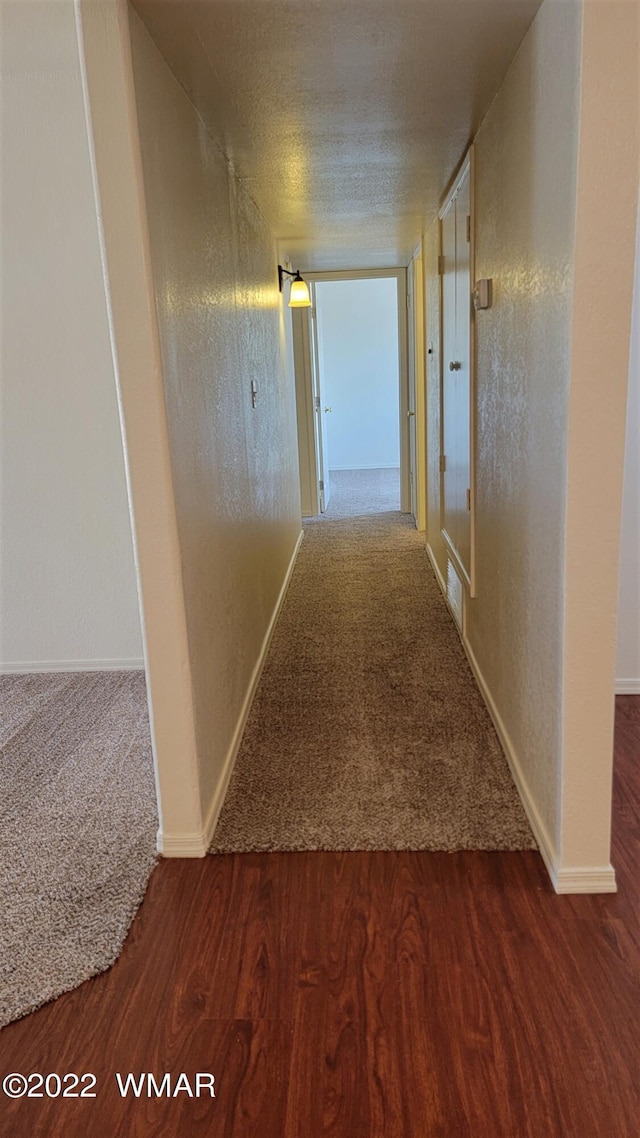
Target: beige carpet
x=367, y=730
x=78, y=825
x=358, y=492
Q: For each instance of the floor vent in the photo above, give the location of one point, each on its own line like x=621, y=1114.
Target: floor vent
x=454, y=592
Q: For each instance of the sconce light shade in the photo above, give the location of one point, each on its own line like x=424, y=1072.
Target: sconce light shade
x=299, y=296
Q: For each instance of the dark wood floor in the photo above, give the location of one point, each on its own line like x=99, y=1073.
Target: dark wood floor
x=384, y=995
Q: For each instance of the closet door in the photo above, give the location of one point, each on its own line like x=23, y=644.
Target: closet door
x=457, y=395
x=450, y=505
x=463, y=375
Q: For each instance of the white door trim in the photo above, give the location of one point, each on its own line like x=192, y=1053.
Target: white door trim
x=400, y=275
x=467, y=166
x=305, y=411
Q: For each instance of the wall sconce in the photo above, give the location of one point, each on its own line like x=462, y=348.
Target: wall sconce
x=299, y=297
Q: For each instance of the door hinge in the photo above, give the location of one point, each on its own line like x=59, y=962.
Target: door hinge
x=317, y=402
x=468, y=227
x=468, y=499
x=443, y=463
x=441, y=265
x=321, y=485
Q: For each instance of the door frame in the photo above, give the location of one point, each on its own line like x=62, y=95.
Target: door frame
x=412, y=348
x=306, y=428
x=323, y=483
x=468, y=578
x=417, y=380
x=303, y=340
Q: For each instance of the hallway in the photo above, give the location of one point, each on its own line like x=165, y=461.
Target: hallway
x=387, y=902
x=367, y=730
x=244, y=147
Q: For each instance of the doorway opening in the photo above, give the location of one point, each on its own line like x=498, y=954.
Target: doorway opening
x=352, y=394
x=356, y=332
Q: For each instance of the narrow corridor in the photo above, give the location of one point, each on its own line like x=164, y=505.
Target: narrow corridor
x=367, y=730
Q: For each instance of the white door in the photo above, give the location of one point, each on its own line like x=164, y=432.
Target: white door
x=411, y=410
x=320, y=422
x=456, y=381
x=463, y=374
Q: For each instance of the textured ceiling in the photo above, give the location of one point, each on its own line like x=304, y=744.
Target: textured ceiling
x=345, y=119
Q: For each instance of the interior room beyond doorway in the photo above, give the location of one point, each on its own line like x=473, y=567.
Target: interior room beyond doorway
x=355, y=329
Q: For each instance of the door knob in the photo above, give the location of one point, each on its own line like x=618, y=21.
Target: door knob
x=455, y=365
x=329, y=409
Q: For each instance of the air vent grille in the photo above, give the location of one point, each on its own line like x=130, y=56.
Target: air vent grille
x=454, y=592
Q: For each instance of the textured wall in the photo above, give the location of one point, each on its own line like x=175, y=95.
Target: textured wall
x=549, y=445
x=525, y=182
x=526, y=154
x=234, y=467
x=68, y=592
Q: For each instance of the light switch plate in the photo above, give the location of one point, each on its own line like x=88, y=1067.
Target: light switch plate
x=483, y=294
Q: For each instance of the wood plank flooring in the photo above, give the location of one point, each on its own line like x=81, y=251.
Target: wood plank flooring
x=371, y=995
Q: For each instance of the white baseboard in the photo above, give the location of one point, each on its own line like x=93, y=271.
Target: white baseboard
x=585, y=879
x=436, y=568
x=24, y=666
x=547, y=849
x=628, y=687
x=197, y=844
x=181, y=845
x=565, y=879
x=577, y=879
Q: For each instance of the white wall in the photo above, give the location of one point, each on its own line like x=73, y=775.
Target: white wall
x=628, y=652
x=68, y=594
x=358, y=349
x=550, y=422
x=234, y=467
x=526, y=159
x=600, y=331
